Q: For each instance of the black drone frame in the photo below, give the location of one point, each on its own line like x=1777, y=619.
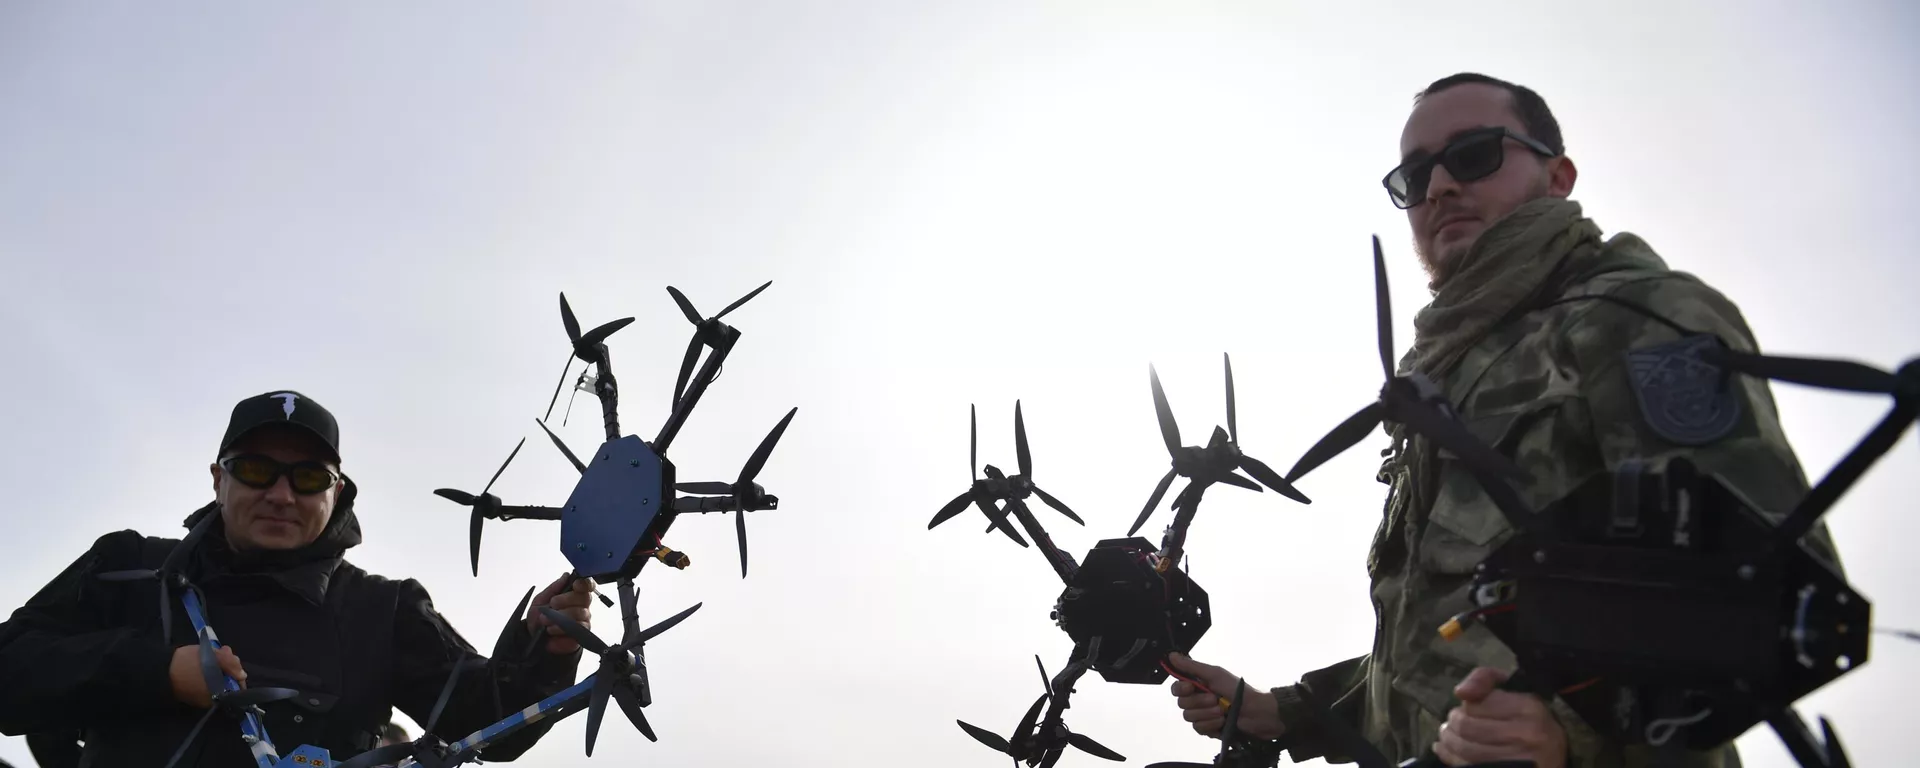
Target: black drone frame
x=611, y=513
x=1128, y=606
x=1654, y=601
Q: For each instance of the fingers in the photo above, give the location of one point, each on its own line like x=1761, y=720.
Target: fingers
x=1506, y=705
x=1182, y=688
x=1479, y=683
x=1216, y=678
x=1494, y=733
x=230, y=664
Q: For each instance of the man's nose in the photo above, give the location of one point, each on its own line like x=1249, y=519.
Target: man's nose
x=282, y=491
x=1440, y=184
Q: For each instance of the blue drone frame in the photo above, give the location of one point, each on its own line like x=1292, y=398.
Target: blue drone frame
x=611, y=526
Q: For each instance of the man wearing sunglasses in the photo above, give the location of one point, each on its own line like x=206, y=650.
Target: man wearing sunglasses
x=1571, y=352
x=89, y=655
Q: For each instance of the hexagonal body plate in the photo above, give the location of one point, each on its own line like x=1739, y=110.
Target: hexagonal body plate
x=1136, y=615
x=612, y=507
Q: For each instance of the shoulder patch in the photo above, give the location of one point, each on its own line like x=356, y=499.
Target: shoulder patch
x=1682, y=397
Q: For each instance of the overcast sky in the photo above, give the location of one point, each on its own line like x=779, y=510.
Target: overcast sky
x=958, y=203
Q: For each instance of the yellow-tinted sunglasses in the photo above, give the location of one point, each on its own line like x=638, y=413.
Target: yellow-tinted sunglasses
x=256, y=471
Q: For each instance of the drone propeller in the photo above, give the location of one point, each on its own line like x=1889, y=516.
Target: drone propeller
x=978, y=492
x=1023, y=482
x=1034, y=749
x=1412, y=400
x=706, y=333
x=744, y=490
x=427, y=743
x=586, y=347
x=618, y=675
x=484, y=506
x=1216, y=462
x=1903, y=385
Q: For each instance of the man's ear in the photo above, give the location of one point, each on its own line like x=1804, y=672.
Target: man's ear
x=1561, y=173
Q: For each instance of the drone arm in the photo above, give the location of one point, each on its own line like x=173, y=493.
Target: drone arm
x=62, y=667
x=515, y=512
x=426, y=651
x=1062, y=562
x=684, y=408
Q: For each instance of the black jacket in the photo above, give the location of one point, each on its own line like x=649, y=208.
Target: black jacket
x=86, y=655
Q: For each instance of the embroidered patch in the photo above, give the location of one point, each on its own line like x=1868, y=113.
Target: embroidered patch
x=1683, y=398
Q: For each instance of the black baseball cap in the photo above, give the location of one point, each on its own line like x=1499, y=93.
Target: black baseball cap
x=282, y=406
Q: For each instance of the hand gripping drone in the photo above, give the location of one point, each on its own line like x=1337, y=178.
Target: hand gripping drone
x=612, y=525
x=1127, y=606
x=1655, y=602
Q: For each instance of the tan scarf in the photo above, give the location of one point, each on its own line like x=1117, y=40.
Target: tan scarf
x=1525, y=260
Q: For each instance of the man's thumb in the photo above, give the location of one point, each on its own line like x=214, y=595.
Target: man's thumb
x=1189, y=666
x=1480, y=683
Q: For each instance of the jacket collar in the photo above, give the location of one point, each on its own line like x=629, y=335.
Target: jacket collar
x=305, y=572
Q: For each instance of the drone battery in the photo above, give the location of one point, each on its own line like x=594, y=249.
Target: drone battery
x=1129, y=615
x=1661, y=597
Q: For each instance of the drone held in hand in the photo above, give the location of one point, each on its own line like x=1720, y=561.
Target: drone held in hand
x=612, y=525
x=1127, y=606
x=1655, y=602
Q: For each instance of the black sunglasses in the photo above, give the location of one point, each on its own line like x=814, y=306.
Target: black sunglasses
x=1471, y=157
x=256, y=471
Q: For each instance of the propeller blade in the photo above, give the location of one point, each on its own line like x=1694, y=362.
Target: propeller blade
x=686, y=307
x=599, y=335
x=1046, y=683
x=475, y=520
x=1153, y=501
x=973, y=446
x=1020, y=442
x=1169, y=429
x=1347, y=435
x=1383, y=309
x=655, y=630
x=562, y=446
x=564, y=370
x=743, y=300
x=1453, y=436
x=1844, y=375
x=572, y=323
x=958, y=505
x=580, y=634
x=759, y=458
x=999, y=518
x=1272, y=479
x=455, y=496
x=1234, y=478
x=709, y=488
x=597, y=706
x=985, y=736
x=446, y=691
x=1233, y=428
x=630, y=705
x=740, y=527
x=1055, y=503
x=686, y=367
x=1094, y=748
x=1027, y=723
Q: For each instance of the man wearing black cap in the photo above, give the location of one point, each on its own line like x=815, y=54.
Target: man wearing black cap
x=265, y=558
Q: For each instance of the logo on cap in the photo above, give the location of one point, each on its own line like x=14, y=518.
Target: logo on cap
x=286, y=402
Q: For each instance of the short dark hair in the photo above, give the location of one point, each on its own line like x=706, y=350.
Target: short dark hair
x=1532, y=110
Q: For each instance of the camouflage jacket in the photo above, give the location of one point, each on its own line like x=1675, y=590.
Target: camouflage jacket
x=1553, y=389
